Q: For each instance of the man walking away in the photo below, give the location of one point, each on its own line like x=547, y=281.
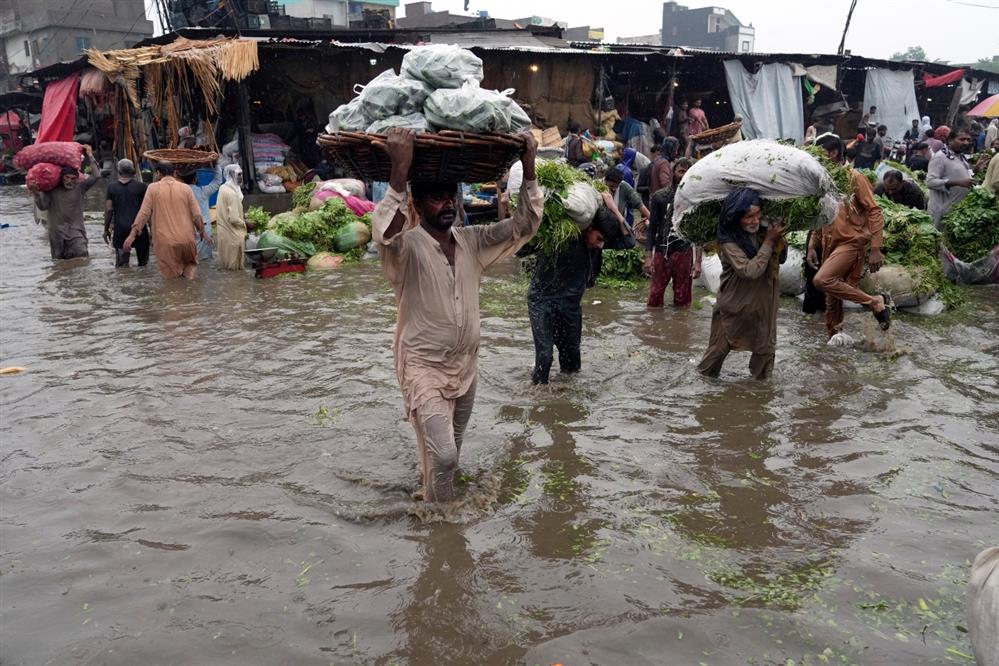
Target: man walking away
x=173, y=211
x=667, y=256
x=64, y=205
x=122, y=204
x=203, y=195
x=434, y=268
x=949, y=176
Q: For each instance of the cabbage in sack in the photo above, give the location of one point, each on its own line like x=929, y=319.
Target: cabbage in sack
x=442, y=66
x=472, y=109
x=391, y=95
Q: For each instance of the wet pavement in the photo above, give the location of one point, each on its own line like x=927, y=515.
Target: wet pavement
x=219, y=472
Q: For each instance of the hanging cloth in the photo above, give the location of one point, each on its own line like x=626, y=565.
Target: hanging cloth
x=58, y=121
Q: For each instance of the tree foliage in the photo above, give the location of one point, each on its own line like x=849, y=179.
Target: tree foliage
x=910, y=54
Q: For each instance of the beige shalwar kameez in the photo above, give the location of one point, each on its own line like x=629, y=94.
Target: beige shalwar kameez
x=745, y=315
x=231, y=230
x=437, y=334
x=174, y=212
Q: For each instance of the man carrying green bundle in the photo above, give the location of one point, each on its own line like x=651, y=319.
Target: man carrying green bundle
x=435, y=268
x=558, y=282
x=858, y=225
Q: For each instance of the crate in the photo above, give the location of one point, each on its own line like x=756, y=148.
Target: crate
x=257, y=6
x=275, y=9
x=299, y=23
x=320, y=24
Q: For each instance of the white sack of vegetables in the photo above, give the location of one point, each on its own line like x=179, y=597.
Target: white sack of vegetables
x=350, y=117
x=793, y=184
x=581, y=203
x=473, y=109
x=389, y=94
x=442, y=65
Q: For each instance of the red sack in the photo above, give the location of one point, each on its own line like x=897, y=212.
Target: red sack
x=44, y=176
x=63, y=153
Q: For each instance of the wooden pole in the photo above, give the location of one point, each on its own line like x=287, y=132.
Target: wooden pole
x=846, y=28
x=245, y=140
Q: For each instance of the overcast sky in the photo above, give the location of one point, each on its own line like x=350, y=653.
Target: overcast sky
x=947, y=29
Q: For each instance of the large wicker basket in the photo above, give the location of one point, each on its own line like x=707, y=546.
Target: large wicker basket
x=718, y=136
x=182, y=159
x=445, y=156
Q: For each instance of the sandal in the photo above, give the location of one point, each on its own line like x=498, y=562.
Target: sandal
x=884, y=317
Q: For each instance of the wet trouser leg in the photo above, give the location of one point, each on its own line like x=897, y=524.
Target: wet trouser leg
x=540, y=313
x=121, y=257
x=761, y=365
x=716, y=353
x=660, y=278
x=142, y=248
x=680, y=265
x=838, y=278
x=440, y=429
x=568, y=334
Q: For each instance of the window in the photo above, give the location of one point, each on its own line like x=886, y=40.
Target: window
x=745, y=45
x=82, y=43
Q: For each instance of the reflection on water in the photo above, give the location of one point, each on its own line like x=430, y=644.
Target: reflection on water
x=219, y=472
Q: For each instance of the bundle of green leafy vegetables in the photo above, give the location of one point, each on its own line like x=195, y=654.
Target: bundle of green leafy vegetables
x=318, y=227
x=911, y=241
x=622, y=268
x=971, y=228
x=258, y=216
x=699, y=226
x=302, y=195
x=557, y=228
x=918, y=177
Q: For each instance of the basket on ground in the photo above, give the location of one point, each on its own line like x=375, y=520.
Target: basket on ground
x=182, y=159
x=445, y=156
x=718, y=136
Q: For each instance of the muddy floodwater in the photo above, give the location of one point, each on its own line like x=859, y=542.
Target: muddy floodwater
x=219, y=472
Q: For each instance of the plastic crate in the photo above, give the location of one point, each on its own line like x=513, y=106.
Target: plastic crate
x=299, y=23
x=280, y=22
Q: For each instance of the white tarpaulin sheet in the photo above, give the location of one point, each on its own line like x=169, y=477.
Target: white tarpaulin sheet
x=769, y=101
x=894, y=93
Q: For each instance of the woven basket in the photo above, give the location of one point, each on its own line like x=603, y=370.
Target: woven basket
x=182, y=159
x=718, y=135
x=445, y=157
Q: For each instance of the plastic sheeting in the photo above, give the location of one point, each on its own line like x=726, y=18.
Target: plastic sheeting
x=894, y=93
x=769, y=101
x=59, y=110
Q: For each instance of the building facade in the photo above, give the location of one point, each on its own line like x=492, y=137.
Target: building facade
x=713, y=28
x=38, y=33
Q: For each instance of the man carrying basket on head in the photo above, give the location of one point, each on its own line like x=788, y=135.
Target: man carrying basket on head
x=435, y=268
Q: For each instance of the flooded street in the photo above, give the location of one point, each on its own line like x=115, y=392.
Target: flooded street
x=219, y=473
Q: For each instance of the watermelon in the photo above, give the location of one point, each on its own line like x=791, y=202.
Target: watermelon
x=324, y=261
x=351, y=235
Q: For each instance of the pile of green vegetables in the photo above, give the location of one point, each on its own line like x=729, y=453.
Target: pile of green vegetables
x=302, y=195
x=971, y=228
x=331, y=228
x=622, y=268
x=700, y=225
x=911, y=241
x=258, y=216
x=557, y=228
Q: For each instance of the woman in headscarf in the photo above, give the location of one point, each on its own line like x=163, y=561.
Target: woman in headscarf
x=745, y=315
x=627, y=166
x=925, y=125
x=231, y=222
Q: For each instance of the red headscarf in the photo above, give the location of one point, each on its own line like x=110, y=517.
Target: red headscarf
x=941, y=133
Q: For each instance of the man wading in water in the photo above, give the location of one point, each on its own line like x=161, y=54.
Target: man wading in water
x=435, y=270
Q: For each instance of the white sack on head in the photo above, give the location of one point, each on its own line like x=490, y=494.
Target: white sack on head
x=774, y=170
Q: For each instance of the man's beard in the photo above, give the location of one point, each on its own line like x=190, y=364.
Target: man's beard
x=443, y=221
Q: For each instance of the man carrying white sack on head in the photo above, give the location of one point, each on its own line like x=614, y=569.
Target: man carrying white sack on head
x=435, y=268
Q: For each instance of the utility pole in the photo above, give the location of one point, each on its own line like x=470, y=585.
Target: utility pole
x=846, y=28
